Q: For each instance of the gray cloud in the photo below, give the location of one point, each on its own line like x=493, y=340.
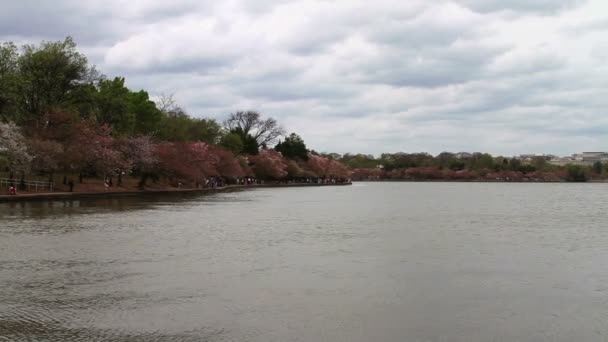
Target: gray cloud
x=359, y=76
x=539, y=6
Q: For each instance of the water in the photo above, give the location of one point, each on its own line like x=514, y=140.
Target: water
x=369, y=262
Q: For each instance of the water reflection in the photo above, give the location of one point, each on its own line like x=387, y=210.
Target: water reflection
x=58, y=208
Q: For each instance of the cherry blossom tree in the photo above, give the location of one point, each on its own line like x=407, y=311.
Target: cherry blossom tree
x=137, y=154
x=227, y=164
x=186, y=161
x=92, y=146
x=14, y=148
x=317, y=165
x=294, y=170
x=46, y=156
x=269, y=164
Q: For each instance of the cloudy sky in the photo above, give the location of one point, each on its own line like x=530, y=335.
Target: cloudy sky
x=502, y=76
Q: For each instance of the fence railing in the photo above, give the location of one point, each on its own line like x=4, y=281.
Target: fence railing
x=30, y=185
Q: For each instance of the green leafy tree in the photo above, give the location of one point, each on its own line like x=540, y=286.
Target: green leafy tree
x=232, y=142
x=332, y=155
x=49, y=73
x=598, y=167
x=293, y=147
x=9, y=82
x=540, y=164
x=577, y=173
x=514, y=164
x=250, y=144
x=481, y=161
x=205, y=130
x=113, y=102
x=147, y=116
x=364, y=161
x=179, y=127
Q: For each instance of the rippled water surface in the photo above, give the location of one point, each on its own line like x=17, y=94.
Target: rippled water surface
x=369, y=262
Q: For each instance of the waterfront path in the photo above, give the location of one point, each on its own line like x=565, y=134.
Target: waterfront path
x=77, y=195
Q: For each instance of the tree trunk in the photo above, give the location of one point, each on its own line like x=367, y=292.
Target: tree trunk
x=120, y=178
x=142, y=182
x=22, y=182
x=80, y=177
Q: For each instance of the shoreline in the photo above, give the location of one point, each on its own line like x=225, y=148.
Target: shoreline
x=44, y=196
x=474, y=181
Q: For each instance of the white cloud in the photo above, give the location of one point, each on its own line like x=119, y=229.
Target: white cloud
x=360, y=76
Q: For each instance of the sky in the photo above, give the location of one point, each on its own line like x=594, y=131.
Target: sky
x=499, y=76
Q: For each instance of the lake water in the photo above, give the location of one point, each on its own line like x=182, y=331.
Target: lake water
x=368, y=262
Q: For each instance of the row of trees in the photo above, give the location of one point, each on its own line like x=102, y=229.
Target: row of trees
x=60, y=117
x=465, y=166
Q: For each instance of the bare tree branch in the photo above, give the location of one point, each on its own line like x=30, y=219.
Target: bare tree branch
x=250, y=122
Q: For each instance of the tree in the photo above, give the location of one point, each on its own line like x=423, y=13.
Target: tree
x=366, y=161
x=186, y=161
x=577, y=173
x=481, y=161
x=540, y=163
x=269, y=164
x=137, y=154
x=204, y=130
x=13, y=147
x=250, y=145
x=166, y=104
x=332, y=155
x=174, y=128
x=598, y=167
x=227, y=164
x=232, y=142
x=318, y=165
x=9, y=82
x=293, y=147
x=46, y=156
x=49, y=73
x=179, y=127
x=264, y=131
x=113, y=101
x=294, y=170
x=147, y=116
x=91, y=150
x=514, y=164
x=338, y=170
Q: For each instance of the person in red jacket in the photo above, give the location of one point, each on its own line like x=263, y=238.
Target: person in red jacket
x=12, y=190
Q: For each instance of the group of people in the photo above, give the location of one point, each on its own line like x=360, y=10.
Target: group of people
x=330, y=180
x=219, y=182
x=248, y=181
x=213, y=182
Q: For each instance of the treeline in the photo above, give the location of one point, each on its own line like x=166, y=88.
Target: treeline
x=465, y=166
x=60, y=117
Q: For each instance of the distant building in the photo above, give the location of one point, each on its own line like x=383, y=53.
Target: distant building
x=584, y=158
x=463, y=155
x=593, y=157
x=534, y=156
